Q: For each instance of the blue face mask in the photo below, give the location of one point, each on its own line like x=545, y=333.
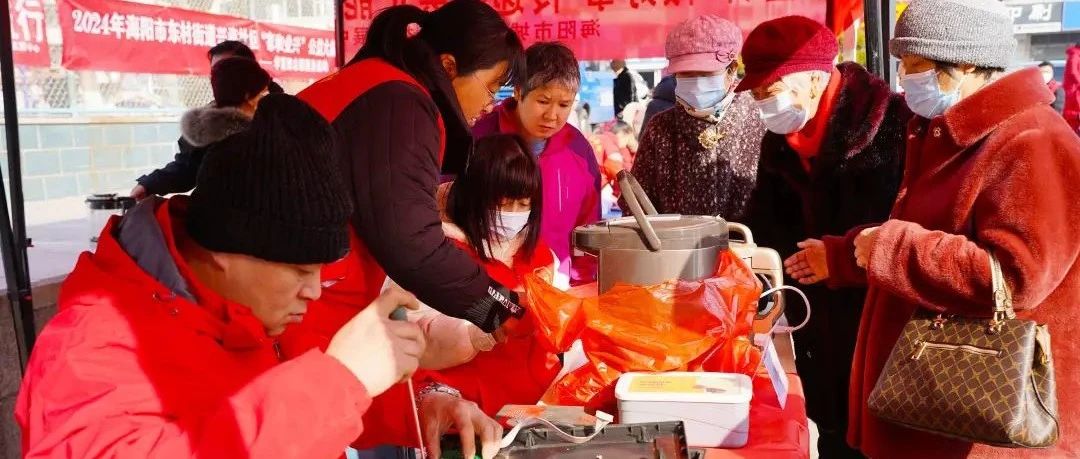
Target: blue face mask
x=702, y=93
x=924, y=95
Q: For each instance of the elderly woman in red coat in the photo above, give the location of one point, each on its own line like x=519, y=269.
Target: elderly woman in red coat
x=990, y=167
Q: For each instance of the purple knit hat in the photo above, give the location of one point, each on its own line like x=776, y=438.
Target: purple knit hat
x=703, y=44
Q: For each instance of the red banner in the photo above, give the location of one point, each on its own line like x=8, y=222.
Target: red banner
x=28, y=32
x=122, y=36
x=598, y=29
x=841, y=14
x=296, y=52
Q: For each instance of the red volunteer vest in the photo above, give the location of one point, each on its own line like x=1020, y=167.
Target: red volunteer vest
x=353, y=282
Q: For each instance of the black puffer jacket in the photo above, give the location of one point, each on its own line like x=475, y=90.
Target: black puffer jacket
x=852, y=182
x=200, y=128
x=624, y=90
x=663, y=98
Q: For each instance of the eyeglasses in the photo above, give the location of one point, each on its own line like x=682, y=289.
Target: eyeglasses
x=491, y=94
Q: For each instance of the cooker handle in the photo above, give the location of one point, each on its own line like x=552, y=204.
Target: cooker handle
x=640, y=206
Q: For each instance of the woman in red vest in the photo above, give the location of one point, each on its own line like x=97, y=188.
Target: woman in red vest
x=493, y=211
x=404, y=103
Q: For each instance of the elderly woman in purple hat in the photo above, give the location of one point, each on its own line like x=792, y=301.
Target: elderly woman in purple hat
x=700, y=157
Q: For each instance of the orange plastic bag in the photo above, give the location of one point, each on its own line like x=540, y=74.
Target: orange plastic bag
x=556, y=315
x=674, y=326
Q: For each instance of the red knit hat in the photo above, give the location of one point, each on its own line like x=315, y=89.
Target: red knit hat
x=784, y=46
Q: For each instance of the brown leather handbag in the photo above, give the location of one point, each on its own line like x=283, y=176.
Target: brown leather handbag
x=981, y=380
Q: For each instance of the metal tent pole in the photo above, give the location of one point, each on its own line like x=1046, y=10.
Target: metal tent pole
x=888, y=23
x=339, y=32
x=875, y=49
x=13, y=240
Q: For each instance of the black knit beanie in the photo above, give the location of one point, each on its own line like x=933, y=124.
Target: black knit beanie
x=274, y=191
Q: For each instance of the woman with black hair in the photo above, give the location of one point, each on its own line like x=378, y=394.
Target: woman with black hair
x=402, y=110
x=493, y=212
x=489, y=208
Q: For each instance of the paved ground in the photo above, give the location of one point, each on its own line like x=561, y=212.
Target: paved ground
x=56, y=247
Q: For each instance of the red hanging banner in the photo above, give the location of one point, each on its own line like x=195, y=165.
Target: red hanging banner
x=597, y=29
x=295, y=52
x=122, y=36
x=28, y=33
x=133, y=37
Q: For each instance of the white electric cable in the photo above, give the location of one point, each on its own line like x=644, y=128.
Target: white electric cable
x=806, y=301
x=602, y=420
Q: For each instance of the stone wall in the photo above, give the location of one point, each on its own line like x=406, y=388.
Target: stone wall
x=65, y=161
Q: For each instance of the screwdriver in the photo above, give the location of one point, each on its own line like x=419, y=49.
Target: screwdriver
x=401, y=315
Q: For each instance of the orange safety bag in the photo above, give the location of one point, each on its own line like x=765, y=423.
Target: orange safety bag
x=674, y=326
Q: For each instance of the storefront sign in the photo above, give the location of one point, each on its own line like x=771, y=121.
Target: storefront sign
x=28, y=32
x=597, y=29
x=133, y=37
x=1036, y=17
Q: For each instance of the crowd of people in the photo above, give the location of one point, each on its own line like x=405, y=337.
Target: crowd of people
x=378, y=226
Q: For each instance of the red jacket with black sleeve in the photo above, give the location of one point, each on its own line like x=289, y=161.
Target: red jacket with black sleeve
x=392, y=134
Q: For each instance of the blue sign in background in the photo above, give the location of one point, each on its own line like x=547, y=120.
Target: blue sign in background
x=1070, y=16
x=596, y=90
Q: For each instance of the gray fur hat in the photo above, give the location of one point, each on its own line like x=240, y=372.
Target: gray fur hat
x=976, y=32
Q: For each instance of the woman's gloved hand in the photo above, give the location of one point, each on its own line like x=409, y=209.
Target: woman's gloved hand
x=500, y=305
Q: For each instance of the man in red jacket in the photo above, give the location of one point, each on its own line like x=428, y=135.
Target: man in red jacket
x=165, y=344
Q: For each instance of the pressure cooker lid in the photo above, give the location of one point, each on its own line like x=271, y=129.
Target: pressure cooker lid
x=676, y=232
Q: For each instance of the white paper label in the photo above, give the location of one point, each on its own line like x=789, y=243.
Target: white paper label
x=776, y=373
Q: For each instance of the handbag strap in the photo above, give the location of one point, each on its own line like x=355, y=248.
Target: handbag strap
x=1003, y=306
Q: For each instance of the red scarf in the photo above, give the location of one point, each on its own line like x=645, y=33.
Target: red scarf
x=807, y=142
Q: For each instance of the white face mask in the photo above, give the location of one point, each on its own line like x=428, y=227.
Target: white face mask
x=780, y=114
x=510, y=224
x=924, y=95
x=702, y=93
